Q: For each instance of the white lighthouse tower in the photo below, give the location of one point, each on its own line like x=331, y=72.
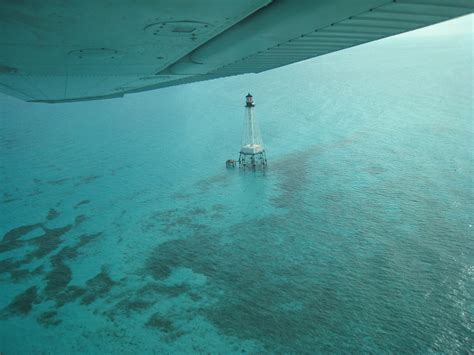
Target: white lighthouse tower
x=252, y=153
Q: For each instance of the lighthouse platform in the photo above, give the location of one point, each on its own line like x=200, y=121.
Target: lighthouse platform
x=251, y=149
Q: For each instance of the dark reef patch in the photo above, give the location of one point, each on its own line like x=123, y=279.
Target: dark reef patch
x=7, y=245
x=195, y=297
x=69, y=294
x=165, y=215
x=7, y=197
x=161, y=323
x=86, y=180
x=79, y=219
x=83, y=202
x=176, y=290
x=145, y=298
x=160, y=269
x=98, y=286
x=11, y=200
x=71, y=252
x=152, y=290
x=35, y=192
x=375, y=170
x=48, y=319
x=129, y=306
x=197, y=211
x=47, y=242
x=181, y=195
x=148, y=226
x=198, y=228
x=219, y=207
x=38, y=270
x=9, y=265
x=52, y=214
x=44, y=244
x=58, y=182
x=58, y=279
x=255, y=291
x=86, y=239
x=136, y=305
x=90, y=178
x=170, y=221
x=184, y=221
x=19, y=274
x=201, y=255
x=22, y=304
x=16, y=233
x=206, y=184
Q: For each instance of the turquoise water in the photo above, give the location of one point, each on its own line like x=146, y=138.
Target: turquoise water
x=123, y=231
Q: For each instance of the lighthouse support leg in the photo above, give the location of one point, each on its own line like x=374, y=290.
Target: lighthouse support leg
x=252, y=160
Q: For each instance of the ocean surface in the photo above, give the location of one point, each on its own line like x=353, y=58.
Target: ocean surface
x=123, y=232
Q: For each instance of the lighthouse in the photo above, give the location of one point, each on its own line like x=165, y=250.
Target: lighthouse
x=252, y=152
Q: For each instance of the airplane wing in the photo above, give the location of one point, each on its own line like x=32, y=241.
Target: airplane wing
x=61, y=51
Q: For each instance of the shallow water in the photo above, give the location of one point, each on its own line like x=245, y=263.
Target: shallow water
x=123, y=231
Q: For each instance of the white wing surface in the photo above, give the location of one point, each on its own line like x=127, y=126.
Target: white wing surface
x=60, y=51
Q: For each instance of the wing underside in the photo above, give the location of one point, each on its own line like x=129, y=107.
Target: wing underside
x=61, y=51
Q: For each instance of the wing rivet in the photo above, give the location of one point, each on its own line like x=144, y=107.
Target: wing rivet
x=178, y=28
